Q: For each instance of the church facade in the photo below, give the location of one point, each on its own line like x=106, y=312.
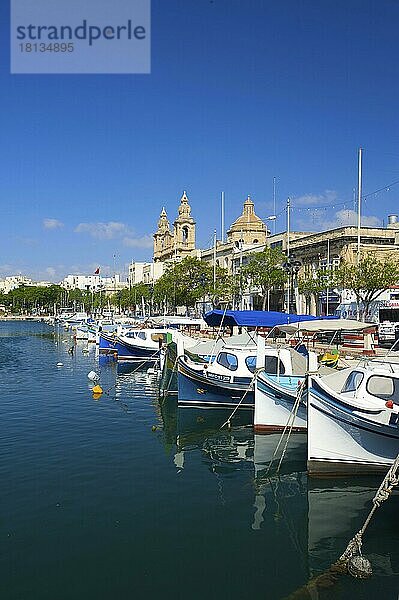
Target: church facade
x=180, y=242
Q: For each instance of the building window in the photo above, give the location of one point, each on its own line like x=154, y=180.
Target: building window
x=185, y=234
x=335, y=262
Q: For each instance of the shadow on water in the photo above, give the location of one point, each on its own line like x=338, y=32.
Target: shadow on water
x=314, y=518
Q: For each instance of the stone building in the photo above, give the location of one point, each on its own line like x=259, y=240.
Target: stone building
x=313, y=251
x=327, y=249
x=180, y=242
x=248, y=228
x=247, y=234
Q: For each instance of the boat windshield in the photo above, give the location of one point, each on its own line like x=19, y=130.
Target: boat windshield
x=250, y=361
x=273, y=365
x=225, y=359
x=353, y=381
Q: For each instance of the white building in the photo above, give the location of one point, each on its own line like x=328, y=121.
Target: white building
x=94, y=283
x=141, y=272
x=14, y=281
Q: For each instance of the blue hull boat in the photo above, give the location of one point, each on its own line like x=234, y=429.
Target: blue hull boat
x=107, y=343
x=195, y=388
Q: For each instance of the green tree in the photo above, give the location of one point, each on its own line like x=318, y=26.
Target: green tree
x=312, y=284
x=184, y=283
x=264, y=270
x=33, y=298
x=368, y=279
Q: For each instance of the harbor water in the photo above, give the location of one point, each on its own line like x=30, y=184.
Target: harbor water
x=123, y=496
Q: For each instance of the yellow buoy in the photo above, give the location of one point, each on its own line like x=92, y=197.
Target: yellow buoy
x=97, y=389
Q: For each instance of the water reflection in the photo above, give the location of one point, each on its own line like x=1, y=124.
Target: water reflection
x=315, y=518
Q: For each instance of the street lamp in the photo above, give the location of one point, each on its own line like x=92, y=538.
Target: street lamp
x=292, y=268
x=202, y=282
x=151, y=289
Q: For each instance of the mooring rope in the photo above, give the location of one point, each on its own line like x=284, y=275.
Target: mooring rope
x=351, y=560
x=294, y=413
x=141, y=363
x=166, y=391
x=228, y=422
x=289, y=424
x=390, y=481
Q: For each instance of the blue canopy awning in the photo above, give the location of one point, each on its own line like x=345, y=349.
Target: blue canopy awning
x=252, y=318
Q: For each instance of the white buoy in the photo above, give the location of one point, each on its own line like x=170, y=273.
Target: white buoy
x=93, y=376
x=60, y=364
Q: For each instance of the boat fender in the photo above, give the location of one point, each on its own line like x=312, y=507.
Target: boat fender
x=359, y=567
x=93, y=376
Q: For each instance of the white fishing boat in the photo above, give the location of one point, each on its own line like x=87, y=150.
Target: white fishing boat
x=281, y=390
x=353, y=419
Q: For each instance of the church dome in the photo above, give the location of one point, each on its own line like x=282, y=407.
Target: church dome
x=248, y=227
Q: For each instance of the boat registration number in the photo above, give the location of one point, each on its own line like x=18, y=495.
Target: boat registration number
x=218, y=377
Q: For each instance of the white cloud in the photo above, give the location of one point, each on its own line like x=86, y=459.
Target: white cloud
x=104, y=231
x=145, y=241
x=327, y=197
x=50, y=271
x=6, y=270
x=342, y=218
x=52, y=224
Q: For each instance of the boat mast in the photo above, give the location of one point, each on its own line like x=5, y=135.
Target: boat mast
x=222, y=218
x=328, y=275
x=214, y=262
x=288, y=254
x=359, y=200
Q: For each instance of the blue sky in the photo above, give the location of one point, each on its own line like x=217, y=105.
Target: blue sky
x=239, y=92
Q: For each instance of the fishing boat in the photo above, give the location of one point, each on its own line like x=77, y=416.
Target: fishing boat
x=199, y=350
x=138, y=344
x=225, y=381
x=76, y=318
x=281, y=388
x=280, y=391
x=228, y=379
x=353, y=420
